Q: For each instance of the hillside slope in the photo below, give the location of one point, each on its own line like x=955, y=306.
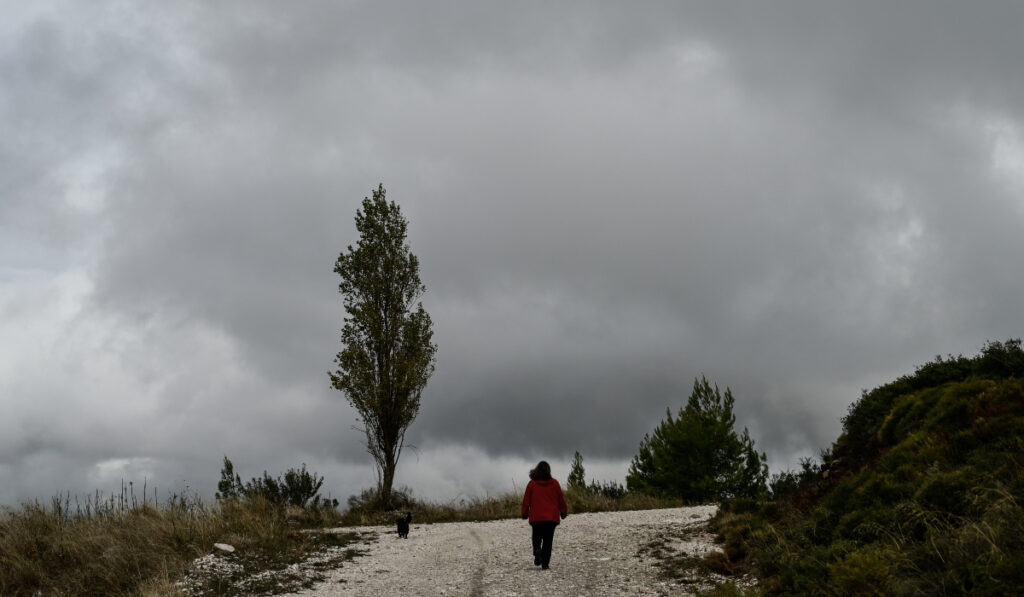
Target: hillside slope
x=921, y=494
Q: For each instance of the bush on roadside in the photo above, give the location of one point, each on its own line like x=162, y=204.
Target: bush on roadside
x=297, y=488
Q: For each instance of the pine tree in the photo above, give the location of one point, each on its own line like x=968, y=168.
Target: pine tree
x=697, y=455
x=230, y=485
x=576, y=474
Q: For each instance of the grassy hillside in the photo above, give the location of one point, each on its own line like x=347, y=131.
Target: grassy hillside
x=921, y=494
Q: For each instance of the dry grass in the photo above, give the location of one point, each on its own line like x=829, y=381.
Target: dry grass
x=589, y=501
x=118, y=546
x=502, y=506
x=121, y=546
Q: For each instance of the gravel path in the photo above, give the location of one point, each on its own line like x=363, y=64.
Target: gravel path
x=594, y=554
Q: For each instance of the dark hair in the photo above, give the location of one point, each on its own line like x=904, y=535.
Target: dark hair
x=541, y=472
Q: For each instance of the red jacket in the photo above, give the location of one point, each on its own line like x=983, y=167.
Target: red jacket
x=544, y=501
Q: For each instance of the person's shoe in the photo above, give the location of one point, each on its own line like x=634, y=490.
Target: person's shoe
x=544, y=567
x=536, y=560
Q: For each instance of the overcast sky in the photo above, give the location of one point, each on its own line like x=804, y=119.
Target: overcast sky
x=799, y=200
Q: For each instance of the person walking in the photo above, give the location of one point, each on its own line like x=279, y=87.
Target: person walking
x=544, y=506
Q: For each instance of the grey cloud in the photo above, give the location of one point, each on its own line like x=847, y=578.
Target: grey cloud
x=797, y=201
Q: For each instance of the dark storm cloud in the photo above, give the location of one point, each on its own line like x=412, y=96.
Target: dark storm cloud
x=797, y=201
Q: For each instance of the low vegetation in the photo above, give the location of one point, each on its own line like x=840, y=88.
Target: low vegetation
x=922, y=493
x=364, y=509
x=678, y=566
x=297, y=489
x=127, y=545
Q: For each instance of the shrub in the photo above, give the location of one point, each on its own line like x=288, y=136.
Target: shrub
x=612, y=490
x=863, y=572
x=717, y=562
x=369, y=499
x=297, y=488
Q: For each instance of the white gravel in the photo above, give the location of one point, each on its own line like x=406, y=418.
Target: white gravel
x=594, y=554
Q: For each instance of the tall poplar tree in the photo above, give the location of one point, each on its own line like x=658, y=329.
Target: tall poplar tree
x=388, y=355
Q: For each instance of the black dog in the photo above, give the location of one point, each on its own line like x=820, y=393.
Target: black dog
x=403, y=525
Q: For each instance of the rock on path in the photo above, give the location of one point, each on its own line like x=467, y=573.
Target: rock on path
x=594, y=554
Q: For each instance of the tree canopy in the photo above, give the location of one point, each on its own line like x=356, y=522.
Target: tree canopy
x=388, y=353
x=577, y=479
x=697, y=454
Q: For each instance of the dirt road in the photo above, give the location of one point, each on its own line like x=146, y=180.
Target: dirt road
x=594, y=554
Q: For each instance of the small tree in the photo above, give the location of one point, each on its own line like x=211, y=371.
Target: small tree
x=302, y=488
x=388, y=355
x=230, y=485
x=576, y=474
x=697, y=455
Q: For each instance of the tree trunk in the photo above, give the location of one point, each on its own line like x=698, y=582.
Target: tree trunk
x=387, y=479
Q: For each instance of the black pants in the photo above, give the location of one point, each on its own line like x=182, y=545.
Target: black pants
x=543, y=534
